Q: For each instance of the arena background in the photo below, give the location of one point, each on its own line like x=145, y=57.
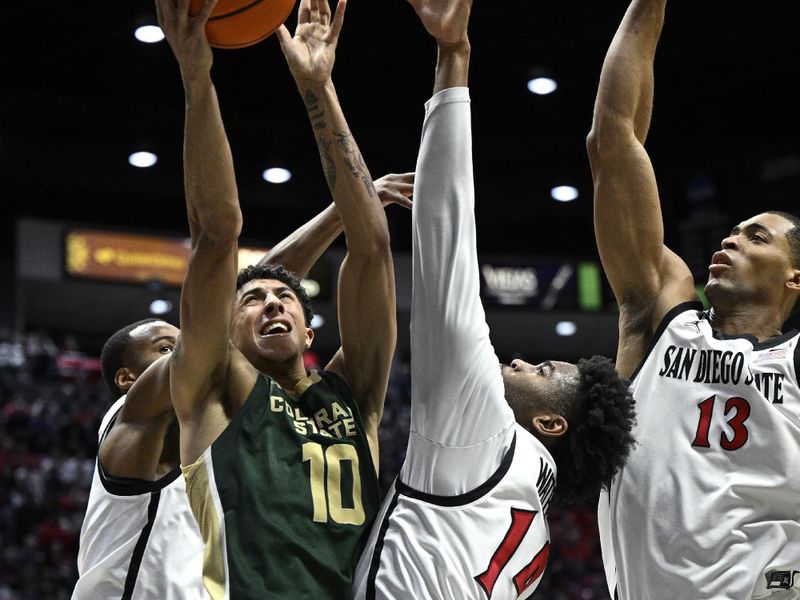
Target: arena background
x=78, y=94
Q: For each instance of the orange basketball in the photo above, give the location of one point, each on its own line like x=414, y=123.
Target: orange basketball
x=240, y=23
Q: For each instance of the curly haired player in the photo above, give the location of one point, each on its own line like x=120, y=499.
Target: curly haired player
x=466, y=517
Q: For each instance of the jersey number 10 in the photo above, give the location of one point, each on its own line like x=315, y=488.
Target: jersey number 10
x=325, y=471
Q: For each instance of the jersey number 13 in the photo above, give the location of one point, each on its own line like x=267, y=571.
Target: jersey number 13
x=737, y=411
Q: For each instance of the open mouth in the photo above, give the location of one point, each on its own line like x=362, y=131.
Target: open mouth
x=720, y=258
x=719, y=262
x=275, y=328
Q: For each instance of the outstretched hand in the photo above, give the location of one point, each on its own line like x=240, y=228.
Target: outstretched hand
x=186, y=34
x=445, y=20
x=311, y=53
x=395, y=189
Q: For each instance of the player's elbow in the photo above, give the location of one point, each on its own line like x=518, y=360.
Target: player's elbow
x=221, y=225
x=374, y=242
x=611, y=133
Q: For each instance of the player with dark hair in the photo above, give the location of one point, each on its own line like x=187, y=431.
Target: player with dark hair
x=279, y=273
x=280, y=464
x=139, y=538
x=137, y=502
x=599, y=414
x=120, y=350
x=792, y=235
x=708, y=505
x=489, y=444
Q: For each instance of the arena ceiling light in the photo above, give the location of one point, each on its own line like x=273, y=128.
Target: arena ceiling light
x=317, y=321
x=564, y=193
x=143, y=159
x=160, y=307
x=542, y=86
x=277, y=175
x=312, y=287
x=566, y=328
x=149, y=34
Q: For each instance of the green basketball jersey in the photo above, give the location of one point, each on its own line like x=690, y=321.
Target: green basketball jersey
x=286, y=495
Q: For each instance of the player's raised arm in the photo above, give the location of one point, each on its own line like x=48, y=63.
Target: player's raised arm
x=303, y=247
x=457, y=396
x=446, y=21
x=367, y=320
x=647, y=278
x=212, y=205
x=446, y=302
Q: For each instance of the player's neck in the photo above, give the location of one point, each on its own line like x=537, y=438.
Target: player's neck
x=744, y=319
x=287, y=376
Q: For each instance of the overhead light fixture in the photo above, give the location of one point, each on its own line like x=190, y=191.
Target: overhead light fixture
x=143, y=159
x=566, y=328
x=277, y=175
x=149, y=34
x=564, y=193
x=542, y=86
x=160, y=307
x=317, y=321
x=311, y=286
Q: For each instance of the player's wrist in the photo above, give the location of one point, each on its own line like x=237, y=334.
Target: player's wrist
x=197, y=83
x=321, y=89
x=461, y=48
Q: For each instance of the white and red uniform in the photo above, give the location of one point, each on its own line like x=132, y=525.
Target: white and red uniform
x=139, y=539
x=466, y=517
x=708, y=505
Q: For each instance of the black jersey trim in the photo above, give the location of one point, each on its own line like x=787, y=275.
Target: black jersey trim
x=768, y=343
x=129, y=486
x=141, y=544
x=110, y=424
x=375, y=563
x=467, y=497
x=662, y=327
x=797, y=362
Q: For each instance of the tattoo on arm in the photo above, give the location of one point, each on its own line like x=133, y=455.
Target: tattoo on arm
x=354, y=160
x=316, y=114
x=328, y=166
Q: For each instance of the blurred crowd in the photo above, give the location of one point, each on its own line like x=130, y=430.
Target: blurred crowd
x=51, y=401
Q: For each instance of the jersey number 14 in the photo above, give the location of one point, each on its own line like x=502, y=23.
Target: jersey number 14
x=520, y=523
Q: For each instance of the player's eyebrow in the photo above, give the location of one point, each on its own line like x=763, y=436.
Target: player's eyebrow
x=261, y=291
x=168, y=338
x=736, y=230
x=256, y=290
x=281, y=289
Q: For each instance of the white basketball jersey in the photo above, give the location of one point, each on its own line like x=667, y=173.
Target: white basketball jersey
x=489, y=543
x=139, y=539
x=708, y=505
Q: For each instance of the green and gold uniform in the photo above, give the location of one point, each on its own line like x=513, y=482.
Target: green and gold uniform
x=286, y=495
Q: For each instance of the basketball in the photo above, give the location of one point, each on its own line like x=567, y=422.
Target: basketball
x=240, y=23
